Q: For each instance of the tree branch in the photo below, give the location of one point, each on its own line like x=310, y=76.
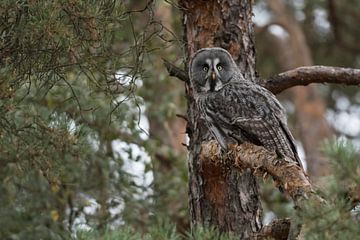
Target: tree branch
x=295, y=77
x=174, y=71
x=289, y=176
x=313, y=74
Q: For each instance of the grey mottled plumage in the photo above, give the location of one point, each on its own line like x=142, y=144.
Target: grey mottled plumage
x=236, y=109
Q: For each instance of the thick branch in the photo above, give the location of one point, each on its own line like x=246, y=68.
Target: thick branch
x=295, y=77
x=174, y=71
x=314, y=74
x=289, y=176
x=286, y=173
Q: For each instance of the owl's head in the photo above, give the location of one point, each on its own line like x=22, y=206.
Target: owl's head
x=210, y=69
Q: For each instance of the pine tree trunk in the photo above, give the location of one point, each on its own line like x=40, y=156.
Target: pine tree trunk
x=219, y=197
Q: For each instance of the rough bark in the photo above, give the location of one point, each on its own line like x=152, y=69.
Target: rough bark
x=312, y=127
x=224, y=198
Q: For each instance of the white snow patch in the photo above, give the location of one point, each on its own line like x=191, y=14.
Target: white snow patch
x=321, y=20
x=278, y=31
x=261, y=15
x=135, y=168
x=342, y=103
x=345, y=122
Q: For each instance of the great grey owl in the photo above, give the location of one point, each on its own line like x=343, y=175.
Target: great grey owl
x=237, y=109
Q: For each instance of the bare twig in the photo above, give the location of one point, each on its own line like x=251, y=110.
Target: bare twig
x=182, y=116
x=175, y=71
x=313, y=74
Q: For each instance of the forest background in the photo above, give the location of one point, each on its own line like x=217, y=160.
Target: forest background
x=92, y=134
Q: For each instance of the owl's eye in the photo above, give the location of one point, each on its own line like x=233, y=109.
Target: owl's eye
x=205, y=68
x=219, y=67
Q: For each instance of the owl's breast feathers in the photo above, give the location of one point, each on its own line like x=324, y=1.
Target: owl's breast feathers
x=245, y=111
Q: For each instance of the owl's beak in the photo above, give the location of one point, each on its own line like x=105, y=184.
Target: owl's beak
x=213, y=76
x=212, y=81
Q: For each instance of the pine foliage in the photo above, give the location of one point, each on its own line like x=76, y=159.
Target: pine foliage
x=339, y=217
x=68, y=77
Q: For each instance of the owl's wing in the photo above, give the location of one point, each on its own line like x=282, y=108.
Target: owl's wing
x=251, y=113
x=284, y=133
x=290, y=140
x=214, y=126
x=271, y=133
x=218, y=133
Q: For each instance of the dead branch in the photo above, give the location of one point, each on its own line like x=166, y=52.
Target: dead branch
x=174, y=71
x=287, y=174
x=313, y=74
x=301, y=76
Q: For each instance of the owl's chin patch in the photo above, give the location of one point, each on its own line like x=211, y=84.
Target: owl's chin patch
x=212, y=86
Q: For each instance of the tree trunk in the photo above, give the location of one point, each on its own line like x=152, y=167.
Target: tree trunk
x=223, y=198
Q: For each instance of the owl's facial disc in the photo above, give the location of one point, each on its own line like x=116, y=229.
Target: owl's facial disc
x=211, y=69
